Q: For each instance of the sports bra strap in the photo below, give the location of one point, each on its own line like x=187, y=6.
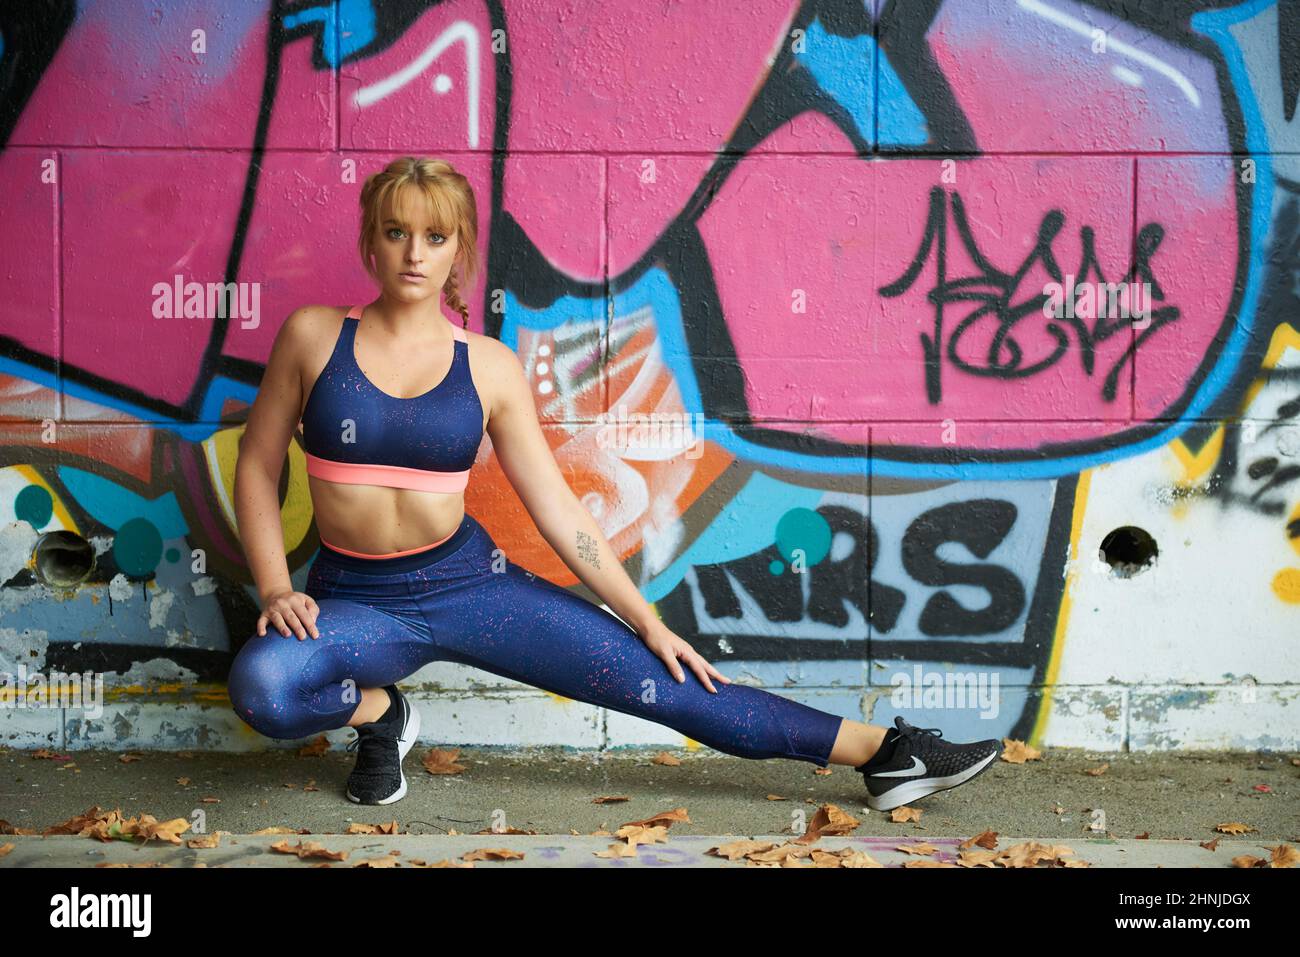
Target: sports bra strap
x=458, y=333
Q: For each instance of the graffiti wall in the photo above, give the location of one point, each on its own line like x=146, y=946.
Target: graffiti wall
x=981, y=319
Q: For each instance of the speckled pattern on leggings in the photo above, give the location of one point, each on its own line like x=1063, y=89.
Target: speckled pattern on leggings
x=448, y=604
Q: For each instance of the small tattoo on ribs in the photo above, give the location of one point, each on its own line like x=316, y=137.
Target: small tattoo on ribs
x=587, y=549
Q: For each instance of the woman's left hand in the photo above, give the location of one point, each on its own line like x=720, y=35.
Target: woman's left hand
x=663, y=642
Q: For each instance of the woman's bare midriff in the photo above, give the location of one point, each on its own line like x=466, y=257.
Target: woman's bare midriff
x=378, y=521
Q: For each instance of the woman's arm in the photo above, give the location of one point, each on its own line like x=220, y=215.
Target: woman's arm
x=568, y=527
x=270, y=427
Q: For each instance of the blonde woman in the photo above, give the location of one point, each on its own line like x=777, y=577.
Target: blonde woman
x=404, y=576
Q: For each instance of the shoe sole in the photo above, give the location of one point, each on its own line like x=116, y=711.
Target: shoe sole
x=915, y=790
x=405, y=741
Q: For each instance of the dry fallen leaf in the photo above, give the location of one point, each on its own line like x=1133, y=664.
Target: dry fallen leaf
x=182, y=781
x=1097, y=771
x=315, y=748
x=922, y=849
x=128, y=758
x=6, y=848
x=663, y=757
x=901, y=815
x=610, y=799
x=1233, y=827
x=617, y=850
x=492, y=854
x=822, y=771
x=987, y=840
x=1017, y=752
x=1211, y=845
x=829, y=819
x=505, y=830
x=677, y=815
x=280, y=829
x=439, y=761
x=776, y=797
x=305, y=849
x=210, y=840
x=356, y=827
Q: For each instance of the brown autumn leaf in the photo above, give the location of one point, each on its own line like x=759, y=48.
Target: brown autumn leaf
x=149, y=828
x=1211, y=845
x=1032, y=853
x=734, y=850
x=987, y=840
x=1284, y=855
x=664, y=758
x=377, y=862
x=617, y=850
x=779, y=854
x=610, y=799
x=49, y=755
x=505, y=830
x=492, y=854
x=81, y=823
x=128, y=758
x=417, y=862
x=1097, y=771
x=208, y=840
x=6, y=848
x=829, y=819
x=929, y=863
x=921, y=849
x=314, y=748
x=1233, y=827
x=677, y=815
x=310, y=785
x=1017, y=752
x=1143, y=836
x=901, y=815
x=637, y=834
x=182, y=781
x=1246, y=860
x=1057, y=809
x=305, y=849
x=969, y=858
x=280, y=829
x=210, y=800
x=822, y=771
x=356, y=827
x=776, y=797
x=440, y=761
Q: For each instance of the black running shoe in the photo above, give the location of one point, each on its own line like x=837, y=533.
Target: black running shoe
x=923, y=764
x=381, y=745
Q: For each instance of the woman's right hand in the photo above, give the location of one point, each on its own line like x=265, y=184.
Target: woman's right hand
x=290, y=610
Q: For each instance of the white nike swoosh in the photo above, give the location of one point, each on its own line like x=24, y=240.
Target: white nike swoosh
x=918, y=767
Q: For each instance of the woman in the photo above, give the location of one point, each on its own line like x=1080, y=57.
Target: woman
x=404, y=576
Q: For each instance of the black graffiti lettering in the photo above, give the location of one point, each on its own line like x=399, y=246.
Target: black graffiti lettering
x=980, y=525
x=833, y=582
x=1268, y=475
x=993, y=292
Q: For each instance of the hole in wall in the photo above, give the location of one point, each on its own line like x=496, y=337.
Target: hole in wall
x=63, y=558
x=1129, y=551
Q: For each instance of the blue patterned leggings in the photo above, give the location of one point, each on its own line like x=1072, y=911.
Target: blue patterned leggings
x=381, y=619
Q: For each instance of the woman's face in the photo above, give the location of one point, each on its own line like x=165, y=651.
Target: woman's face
x=403, y=247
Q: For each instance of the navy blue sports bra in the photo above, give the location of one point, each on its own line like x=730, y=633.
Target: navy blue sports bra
x=355, y=432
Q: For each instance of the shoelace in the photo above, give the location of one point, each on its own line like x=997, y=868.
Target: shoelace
x=937, y=732
x=369, y=745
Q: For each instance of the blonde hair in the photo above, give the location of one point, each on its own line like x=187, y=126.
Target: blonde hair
x=449, y=202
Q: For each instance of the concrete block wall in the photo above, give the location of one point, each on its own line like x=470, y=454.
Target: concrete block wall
x=819, y=235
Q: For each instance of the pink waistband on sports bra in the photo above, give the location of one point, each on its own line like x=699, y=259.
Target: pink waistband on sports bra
x=409, y=551
x=393, y=476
